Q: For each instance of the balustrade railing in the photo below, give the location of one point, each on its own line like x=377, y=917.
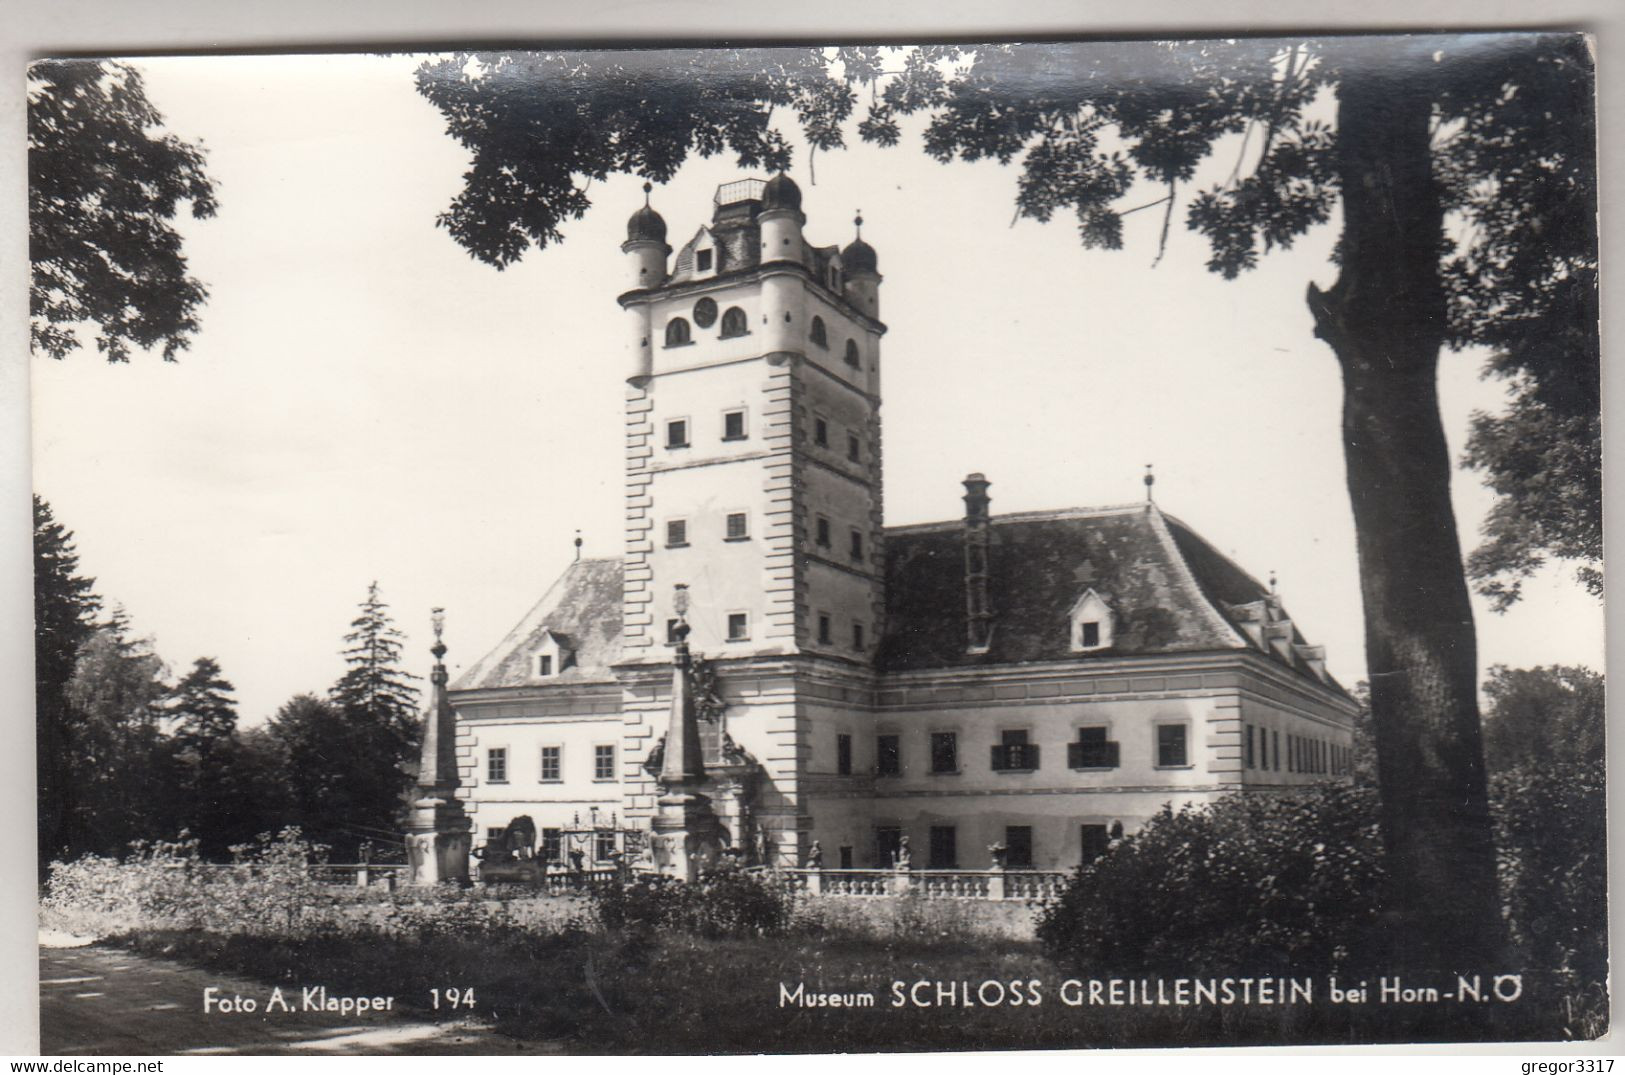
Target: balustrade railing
x=1027, y=885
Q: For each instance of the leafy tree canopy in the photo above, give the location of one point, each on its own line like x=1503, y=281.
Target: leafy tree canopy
x=104, y=183
x=1553, y=715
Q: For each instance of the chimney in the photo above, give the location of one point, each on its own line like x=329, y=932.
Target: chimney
x=978, y=616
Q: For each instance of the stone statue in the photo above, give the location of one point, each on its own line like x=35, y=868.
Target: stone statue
x=905, y=857
x=815, y=857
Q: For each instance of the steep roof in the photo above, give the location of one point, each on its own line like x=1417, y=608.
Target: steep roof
x=584, y=607
x=1155, y=574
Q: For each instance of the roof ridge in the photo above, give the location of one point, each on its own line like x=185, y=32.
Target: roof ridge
x=1176, y=558
x=1024, y=516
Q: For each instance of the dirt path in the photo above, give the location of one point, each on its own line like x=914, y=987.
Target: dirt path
x=99, y=1001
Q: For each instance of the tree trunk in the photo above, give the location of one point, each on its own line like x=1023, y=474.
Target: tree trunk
x=1385, y=320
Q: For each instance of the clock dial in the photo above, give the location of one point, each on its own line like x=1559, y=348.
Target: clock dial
x=705, y=313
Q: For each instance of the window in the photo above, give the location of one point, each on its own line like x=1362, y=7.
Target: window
x=544, y=664
x=676, y=533
x=603, y=846
x=677, y=433
x=854, y=447
x=1249, y=749
x=1013, y=753
x=1091, y=619
x=1018, y=846
x=1275, y=749
x=552, y=763
x=734, y=323
x=1094, y=843
x=843, y=755
x=733, y=425
x=738, y=526
x=856, y=544
x=671, y=632
x=852, y=358
x=821, y=432
x=1291, y=753
x=823, y=628
x=677, y=332
x=944, y=752
x=738, y=626
x=603, y=762
x=888, y=755
x=1092, y=750
x=496, y=765
x=1090, y=634
x=846, y=858
x=888, y=841
x=857, y=637
x=943, y=854
x=821, y=532
x=552, y=845
x=702, y=260
x=1171, y=745
x=817, y=333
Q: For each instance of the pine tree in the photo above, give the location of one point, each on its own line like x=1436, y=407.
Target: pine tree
x=376, y=689
x=65, y=609
x=202, y=747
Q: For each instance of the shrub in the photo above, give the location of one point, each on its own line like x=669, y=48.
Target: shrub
x=1252, y=883
x=722, y=903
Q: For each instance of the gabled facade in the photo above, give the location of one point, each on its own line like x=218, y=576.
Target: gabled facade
x=1037, y=681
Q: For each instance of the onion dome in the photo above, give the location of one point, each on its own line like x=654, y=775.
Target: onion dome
x=781, y=192
x=646, y=225
x=859, y=256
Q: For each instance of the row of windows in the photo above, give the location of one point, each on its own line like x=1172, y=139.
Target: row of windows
x=739, y=630
x=822, y=537
x=1015, y=752
x=733, y=428
x=735, y=527
x=1302, y=754
x=821, y=438
x=734, y=323
x=552, y=764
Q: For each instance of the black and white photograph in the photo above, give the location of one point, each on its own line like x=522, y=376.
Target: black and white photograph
x=806, y=548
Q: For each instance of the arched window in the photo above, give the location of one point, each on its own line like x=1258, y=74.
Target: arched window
x=852, y=358
x=677, y=332
x=733, y=322
x=816, y=334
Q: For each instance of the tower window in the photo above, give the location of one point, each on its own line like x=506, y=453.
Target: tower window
x=852, y=358
x=854, y=447
x=677, y=433
x=702, y=260
x=738, y=526
x=677, y=332
x=733, y=425
x=734, y=323
x=821, y=532
x=823, y=628
x=821, y=432
x=857, y=637
x=1171, y=746
x=676, y=533
x=817, y=334
x=857, y=545
x=738, y=626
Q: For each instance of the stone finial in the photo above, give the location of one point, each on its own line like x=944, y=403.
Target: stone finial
x=1150, y=480
x=437, y=619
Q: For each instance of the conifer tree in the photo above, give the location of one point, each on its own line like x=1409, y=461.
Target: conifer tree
x=376, y=689
x=207, y=794
x=65, y=610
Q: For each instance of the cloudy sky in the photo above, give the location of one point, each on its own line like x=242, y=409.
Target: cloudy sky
x=367, y=402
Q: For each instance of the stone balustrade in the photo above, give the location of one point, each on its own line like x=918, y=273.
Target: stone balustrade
x=1026, y=885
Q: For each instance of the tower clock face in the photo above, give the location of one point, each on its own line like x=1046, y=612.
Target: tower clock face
x=705, y=313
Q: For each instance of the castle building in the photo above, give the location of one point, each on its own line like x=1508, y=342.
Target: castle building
x=1041, y=681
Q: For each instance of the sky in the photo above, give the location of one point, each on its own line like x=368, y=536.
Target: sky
x=365, y=401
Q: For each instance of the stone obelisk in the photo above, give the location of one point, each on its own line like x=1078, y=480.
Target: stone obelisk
x=686, y=834
x=438, y=836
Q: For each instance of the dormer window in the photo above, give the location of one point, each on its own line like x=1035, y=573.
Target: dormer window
x=544, y=665
x=702, y=260
x=1090, y=623
x=553, y=654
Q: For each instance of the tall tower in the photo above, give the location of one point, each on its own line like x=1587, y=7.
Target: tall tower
x=753, y=478
x=753, y=433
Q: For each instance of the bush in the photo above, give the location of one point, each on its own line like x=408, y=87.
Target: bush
x=722, y=903
x=1250, y=883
